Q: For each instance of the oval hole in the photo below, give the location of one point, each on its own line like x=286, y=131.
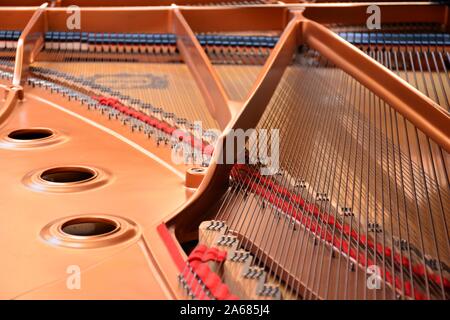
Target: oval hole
x=30, y=134
x=68, y=174
x=89, y=227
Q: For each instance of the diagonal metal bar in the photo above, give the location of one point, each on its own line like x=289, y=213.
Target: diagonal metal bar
x=216, y=178
x=208, y=81
x=29, y=44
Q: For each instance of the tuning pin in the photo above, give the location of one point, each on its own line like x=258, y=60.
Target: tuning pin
x=347, y=212
x=316, y=241
x=158, y=113
x=404, y=244
x=134, y=103
x=181, y=122
x=292, y=225
x=262, y=203
x=351, y=266
x=301, y=184
x=374, y=227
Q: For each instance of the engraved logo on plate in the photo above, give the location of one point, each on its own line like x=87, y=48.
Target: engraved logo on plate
x=131, y=81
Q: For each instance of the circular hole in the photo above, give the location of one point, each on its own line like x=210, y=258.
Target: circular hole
x=89, y=227
x=30, y=134
x=68, y=174
x=198, y=170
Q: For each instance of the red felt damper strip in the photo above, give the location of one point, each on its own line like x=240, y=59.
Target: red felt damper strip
x=204, y=254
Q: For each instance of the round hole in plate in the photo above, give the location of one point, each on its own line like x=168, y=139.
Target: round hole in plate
x=30, y=134
x=89, y=227
x=89, y=231
x=68, y=174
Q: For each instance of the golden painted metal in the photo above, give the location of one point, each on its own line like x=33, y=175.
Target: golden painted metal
x=136, y=184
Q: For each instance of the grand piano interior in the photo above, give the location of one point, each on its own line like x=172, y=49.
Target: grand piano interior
x=231, y=149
